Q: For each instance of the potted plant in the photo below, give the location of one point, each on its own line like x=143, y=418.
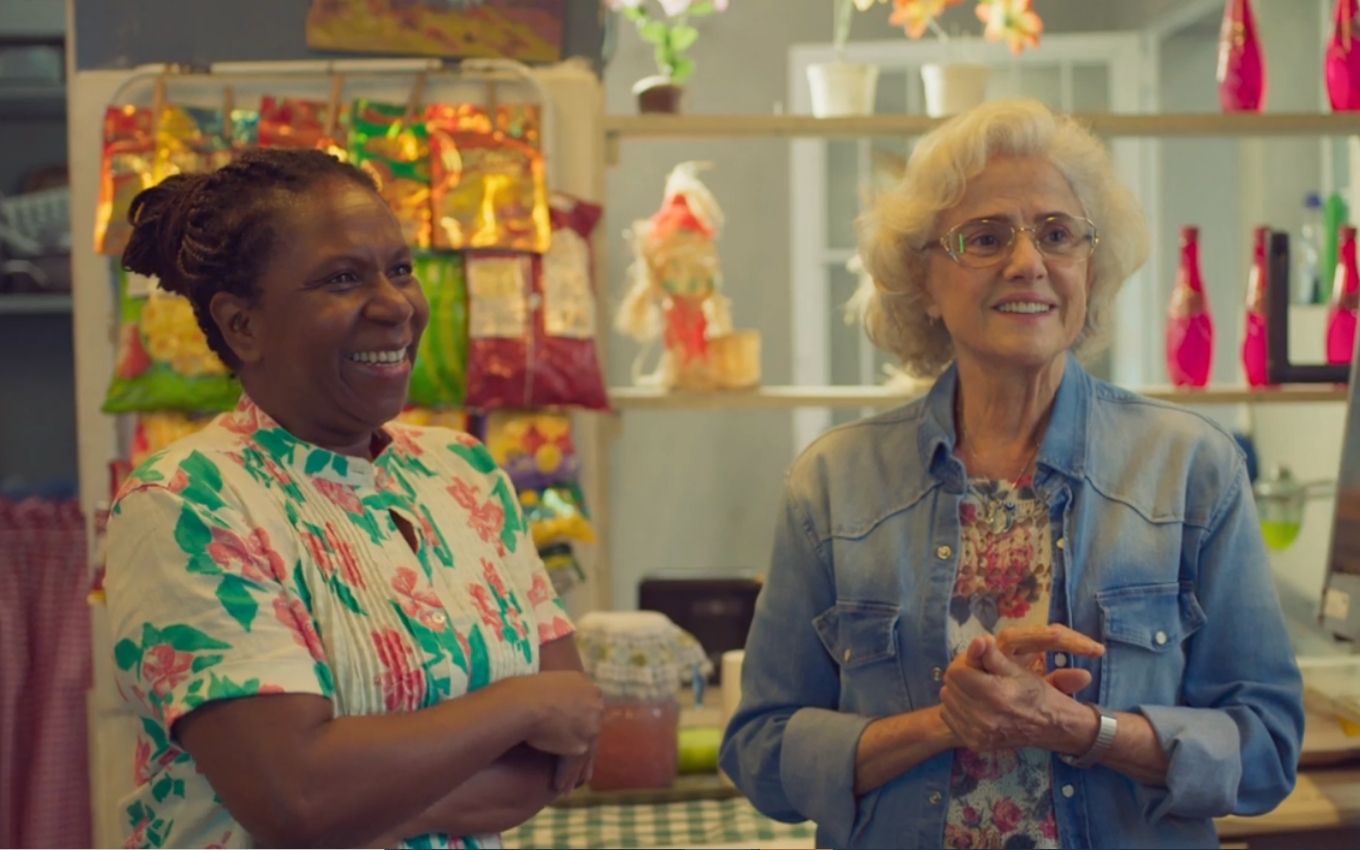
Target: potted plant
x=667, y=28
x=839, y=87
x=953, y=87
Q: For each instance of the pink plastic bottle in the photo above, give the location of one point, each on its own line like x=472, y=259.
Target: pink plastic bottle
x=1254, y=331
x=1342, y=65
x=1241, y=64
x=1189, y=327
x=1345, y=297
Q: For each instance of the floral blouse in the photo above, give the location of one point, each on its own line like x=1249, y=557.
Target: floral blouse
x=242, y=560
x=1001, y=798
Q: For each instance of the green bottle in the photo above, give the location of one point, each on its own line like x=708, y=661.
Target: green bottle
x=1335, y=214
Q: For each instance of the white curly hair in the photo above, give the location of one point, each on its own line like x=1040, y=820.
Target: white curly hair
x=891, y=301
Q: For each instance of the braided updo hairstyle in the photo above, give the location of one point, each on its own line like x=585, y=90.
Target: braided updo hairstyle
x=202, y=234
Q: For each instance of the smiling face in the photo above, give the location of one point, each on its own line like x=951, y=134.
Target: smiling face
x=327, y=346
x=1027, y=309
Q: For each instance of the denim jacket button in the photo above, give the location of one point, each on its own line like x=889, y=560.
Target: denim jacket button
x=846, y=656
x=1159, y=638
x=1059, y=659
x=936, y=674
x=1062, y=543
x=1068, y=791
x=935, y=798
x=943, y=553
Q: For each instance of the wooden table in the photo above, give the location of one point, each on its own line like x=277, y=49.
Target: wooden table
x=1324, y=809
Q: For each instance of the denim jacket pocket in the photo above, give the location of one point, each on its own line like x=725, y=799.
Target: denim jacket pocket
x=1144, y=628
x=861, y=638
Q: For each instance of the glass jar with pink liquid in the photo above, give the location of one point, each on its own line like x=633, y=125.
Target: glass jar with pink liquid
x=640, y=659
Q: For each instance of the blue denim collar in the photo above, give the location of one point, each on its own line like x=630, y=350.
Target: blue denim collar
x=1064, y=447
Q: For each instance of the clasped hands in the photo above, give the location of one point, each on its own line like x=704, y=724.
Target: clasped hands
x=996, y=697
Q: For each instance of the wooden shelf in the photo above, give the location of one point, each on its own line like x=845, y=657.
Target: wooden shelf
x=34, y=305
x=1160, y=126
x=790, y=397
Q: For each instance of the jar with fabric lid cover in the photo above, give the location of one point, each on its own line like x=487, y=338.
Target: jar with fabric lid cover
x=639, y=659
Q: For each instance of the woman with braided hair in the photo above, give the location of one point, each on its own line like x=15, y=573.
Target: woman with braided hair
x=335, y=630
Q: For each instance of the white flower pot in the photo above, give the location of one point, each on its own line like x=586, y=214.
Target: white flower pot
x=842, y=88
x=954, y=88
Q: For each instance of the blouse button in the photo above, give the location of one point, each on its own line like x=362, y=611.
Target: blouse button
x=1159, y=638
x=943, y=553
x=935, y=798
x=439, y=617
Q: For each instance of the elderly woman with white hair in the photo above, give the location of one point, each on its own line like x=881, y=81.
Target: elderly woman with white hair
x=1030, y=609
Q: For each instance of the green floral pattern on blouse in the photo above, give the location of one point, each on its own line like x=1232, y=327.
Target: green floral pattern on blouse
x=245, y=561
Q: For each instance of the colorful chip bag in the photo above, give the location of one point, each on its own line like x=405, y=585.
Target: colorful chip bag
x=296, y=123
x=396, y=152
x=439, y=376
x=533, y=447
x=126, y=168
x=243, y=131
x=156, y=430
x=531, y=320
x=164, y=362
x=190, y=139
x=489, y=188
x=557, y=521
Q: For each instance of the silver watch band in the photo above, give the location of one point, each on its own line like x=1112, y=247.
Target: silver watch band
x=1109, y=726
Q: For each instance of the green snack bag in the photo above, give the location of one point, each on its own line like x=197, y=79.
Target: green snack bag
x=439, y=377
x=164, y=362
x=393, y=147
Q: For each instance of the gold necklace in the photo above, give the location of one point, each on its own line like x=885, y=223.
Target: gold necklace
x=998, y=513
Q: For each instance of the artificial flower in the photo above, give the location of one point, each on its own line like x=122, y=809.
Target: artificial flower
x=669, y=31
x=916, y=16
x=1012, y=21
x=676, y=8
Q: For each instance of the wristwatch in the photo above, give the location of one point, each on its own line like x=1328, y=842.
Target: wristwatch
x=1104, y=738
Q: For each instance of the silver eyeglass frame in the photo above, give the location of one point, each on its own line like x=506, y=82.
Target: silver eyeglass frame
x=1093, y=237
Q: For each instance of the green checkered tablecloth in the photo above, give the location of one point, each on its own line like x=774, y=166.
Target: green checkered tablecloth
x=687, y=823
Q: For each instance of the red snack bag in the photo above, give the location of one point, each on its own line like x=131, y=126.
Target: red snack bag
x=295, y=123
x=531, y=320
x=126, y=168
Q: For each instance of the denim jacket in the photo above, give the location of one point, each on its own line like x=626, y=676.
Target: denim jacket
x=1157, y=553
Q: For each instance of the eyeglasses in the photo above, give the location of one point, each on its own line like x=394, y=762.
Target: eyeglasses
x=987, y=241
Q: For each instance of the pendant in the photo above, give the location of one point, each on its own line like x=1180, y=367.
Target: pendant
x=999, y=516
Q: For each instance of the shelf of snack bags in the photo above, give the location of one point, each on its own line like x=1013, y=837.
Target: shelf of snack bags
x=492, y=169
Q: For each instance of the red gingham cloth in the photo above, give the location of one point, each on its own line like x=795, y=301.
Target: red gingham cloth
x=44, y=675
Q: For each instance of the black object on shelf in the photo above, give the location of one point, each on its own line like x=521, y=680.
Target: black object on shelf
x=1279, y=368
x=715, y=608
